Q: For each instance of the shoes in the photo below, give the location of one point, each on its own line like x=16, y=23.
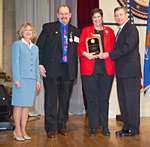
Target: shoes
x=62, y=132
x=105, y=132
x=93, y=132
x=33, y=114
x=51, y=134
x=18, y=138
x=126, y=132
x=26, y=137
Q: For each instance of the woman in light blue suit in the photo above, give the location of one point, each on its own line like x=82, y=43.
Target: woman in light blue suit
x=26, y=77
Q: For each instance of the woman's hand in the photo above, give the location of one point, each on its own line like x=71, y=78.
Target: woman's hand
x=18, y=83
x=90, y=56
x=38, y=86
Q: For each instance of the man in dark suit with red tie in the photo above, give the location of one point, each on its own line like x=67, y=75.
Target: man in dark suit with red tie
x=128, y=72
x=58, y=65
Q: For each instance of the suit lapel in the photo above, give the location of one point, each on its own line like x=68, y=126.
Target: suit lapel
x=70, y=35
x=124, y=27
x=123, y=31
x=58, y=33
x=70, y=39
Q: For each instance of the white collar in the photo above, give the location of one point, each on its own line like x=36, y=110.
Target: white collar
x=121, y=26
x=29, y=45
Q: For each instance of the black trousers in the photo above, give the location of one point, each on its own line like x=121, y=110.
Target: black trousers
x=128, y=90
x=97, y=88
x=56, y=105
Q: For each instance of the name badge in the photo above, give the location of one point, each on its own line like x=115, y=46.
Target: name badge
x=76, y=39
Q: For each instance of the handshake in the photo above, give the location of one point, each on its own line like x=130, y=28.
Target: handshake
x=91, y=56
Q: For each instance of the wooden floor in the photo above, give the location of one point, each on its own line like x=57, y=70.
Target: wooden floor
x=78, y=135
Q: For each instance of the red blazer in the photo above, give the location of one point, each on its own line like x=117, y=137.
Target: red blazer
x=86, y=65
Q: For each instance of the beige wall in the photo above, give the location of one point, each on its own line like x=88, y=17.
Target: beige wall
x=1, y=34
x=9, y=33
x=108, y=17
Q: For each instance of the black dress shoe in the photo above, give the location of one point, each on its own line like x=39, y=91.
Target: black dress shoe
x=118, y=133
x=106, y=132
x=126, y=132
x=62, y=132
x=51, y=134
x=92, y=132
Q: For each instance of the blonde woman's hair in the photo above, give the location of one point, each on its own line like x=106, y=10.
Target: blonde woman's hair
x=22, y=28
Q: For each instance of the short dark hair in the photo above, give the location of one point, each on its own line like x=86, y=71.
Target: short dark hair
x=119, y=8
x=64, y=5
x=96, y=10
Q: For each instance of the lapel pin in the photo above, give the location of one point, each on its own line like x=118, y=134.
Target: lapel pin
x=70, y=37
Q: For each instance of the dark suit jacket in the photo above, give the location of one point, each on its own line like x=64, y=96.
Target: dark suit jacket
x=50, y=49
x=126, y=53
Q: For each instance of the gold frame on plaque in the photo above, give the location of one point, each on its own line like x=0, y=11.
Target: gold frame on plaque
x=94, y=44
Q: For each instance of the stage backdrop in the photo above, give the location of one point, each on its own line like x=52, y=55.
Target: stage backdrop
x=39, y=12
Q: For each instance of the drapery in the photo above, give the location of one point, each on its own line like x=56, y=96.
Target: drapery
x=39, y=12
x=83, y=11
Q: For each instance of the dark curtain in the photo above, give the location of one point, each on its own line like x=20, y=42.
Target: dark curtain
x=84, y=8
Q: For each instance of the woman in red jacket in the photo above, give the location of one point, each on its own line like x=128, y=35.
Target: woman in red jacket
x=97, y=74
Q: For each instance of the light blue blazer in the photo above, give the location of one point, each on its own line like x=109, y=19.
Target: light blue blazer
x=25, y=61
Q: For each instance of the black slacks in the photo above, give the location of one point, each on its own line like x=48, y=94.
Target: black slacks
x=128, y=90
x=56, y=105
x=97, y=88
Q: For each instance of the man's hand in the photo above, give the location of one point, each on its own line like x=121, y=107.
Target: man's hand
x=42, y=70
x=90, y=56
x=104, y=55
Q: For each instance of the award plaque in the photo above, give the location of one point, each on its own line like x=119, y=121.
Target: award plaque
x=94, y=44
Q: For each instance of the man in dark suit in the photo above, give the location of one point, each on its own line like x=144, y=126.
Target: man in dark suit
x=128, y=72
x=58, y=65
